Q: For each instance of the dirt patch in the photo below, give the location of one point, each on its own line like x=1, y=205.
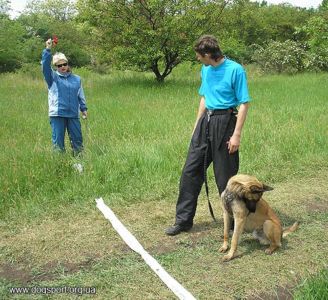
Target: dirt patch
x=74, y=240
x=49, y=271
x=281, y=293
x=12, y=273
x=317, y=205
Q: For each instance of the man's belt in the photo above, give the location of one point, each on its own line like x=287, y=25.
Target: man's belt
x=213, y=112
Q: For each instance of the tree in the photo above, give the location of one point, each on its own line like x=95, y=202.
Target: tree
x=153, y=35
x=4, y=7
x=324, y=5
x=11, y=44
x=46, y=18
x=316, y=30
x=61, y=10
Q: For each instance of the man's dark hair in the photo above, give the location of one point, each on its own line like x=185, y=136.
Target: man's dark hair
x=208, y=44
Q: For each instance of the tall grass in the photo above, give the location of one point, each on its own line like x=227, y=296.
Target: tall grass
x=138, y=133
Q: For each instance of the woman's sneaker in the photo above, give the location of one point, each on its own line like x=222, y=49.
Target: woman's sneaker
x=78, y=167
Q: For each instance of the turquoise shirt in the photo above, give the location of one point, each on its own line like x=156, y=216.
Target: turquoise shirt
x=224, y=86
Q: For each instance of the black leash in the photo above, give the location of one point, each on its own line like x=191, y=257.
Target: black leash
x=205, y=166
x=209, y=114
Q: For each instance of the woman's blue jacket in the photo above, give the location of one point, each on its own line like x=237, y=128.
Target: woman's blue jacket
x=65, y=92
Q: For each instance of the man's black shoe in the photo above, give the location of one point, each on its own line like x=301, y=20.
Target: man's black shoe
x=176, y=229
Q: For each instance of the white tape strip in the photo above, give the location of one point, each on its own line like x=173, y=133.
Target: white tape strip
x=133, y=243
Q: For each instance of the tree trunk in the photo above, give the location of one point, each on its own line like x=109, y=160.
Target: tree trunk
x=171, y=61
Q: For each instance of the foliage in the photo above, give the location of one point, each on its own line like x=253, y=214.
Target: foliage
x=61, y=10
x=316, y=31
x=32, y=48
x=252, y=23
x=158, y=35
x=235, y=49
x=11, y=44
x=42, y=24
x=32, y=70
x=281, y=57
x=4, y=7
x=149, y=35
x=324, y=5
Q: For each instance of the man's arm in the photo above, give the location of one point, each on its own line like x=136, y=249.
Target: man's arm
x=234, y=141
x=201, y=111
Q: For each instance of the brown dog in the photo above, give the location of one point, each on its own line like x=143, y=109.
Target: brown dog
x=243, y=200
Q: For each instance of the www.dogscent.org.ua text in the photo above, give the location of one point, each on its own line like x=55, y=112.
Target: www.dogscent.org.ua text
x=38, y=290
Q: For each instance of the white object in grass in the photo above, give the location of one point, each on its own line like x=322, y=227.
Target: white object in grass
x=133, y=243
x=78, y=167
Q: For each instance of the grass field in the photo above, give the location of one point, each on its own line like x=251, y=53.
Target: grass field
x=136, y=140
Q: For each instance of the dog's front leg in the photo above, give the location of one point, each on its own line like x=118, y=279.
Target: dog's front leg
x=238, y=230
x=226, y=227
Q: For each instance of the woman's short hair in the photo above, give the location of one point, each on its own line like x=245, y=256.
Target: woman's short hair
x=208, y=44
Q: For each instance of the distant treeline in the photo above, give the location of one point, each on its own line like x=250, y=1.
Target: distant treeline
x=157, y=35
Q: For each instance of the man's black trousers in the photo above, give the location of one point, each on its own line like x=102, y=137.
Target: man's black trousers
x=211, y=135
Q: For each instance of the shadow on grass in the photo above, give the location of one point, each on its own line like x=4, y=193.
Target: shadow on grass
x=287, y=220
x=205, y=226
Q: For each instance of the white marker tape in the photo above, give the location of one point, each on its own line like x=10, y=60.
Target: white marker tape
x=133, y=243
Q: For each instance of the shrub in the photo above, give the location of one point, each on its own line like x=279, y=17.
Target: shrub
x=281, y=57
x=235, y=49
x=316, y=31
x=11, y=53
x=34, y=70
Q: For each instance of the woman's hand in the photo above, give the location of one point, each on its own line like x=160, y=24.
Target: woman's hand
x=48, y=44
x=84, y=114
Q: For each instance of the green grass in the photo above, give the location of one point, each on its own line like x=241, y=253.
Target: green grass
x=137, y=136
x=136, y=139
x=313, y=288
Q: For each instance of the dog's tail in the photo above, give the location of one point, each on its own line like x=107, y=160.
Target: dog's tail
x=290, y=229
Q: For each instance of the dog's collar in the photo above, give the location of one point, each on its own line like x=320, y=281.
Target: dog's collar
x=229, y=197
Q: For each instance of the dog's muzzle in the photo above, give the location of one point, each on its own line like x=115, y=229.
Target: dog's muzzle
x=250, y=205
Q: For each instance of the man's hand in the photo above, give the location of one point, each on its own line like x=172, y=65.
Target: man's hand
x=233, y=143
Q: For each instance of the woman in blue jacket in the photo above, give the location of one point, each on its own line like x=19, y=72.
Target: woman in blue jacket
x=66, y=98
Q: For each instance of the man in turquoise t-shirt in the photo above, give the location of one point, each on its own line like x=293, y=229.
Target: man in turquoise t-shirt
x=217, y=132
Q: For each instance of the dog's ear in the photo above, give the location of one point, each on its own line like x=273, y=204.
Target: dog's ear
x=255, y=189
x=267, y=188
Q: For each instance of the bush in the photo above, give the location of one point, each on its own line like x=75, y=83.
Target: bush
x=235, y=49
x=34, y=70
x=281, y=57
x=11, y=53
x=76, y=55
x=316, y=31
x=318, y=61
